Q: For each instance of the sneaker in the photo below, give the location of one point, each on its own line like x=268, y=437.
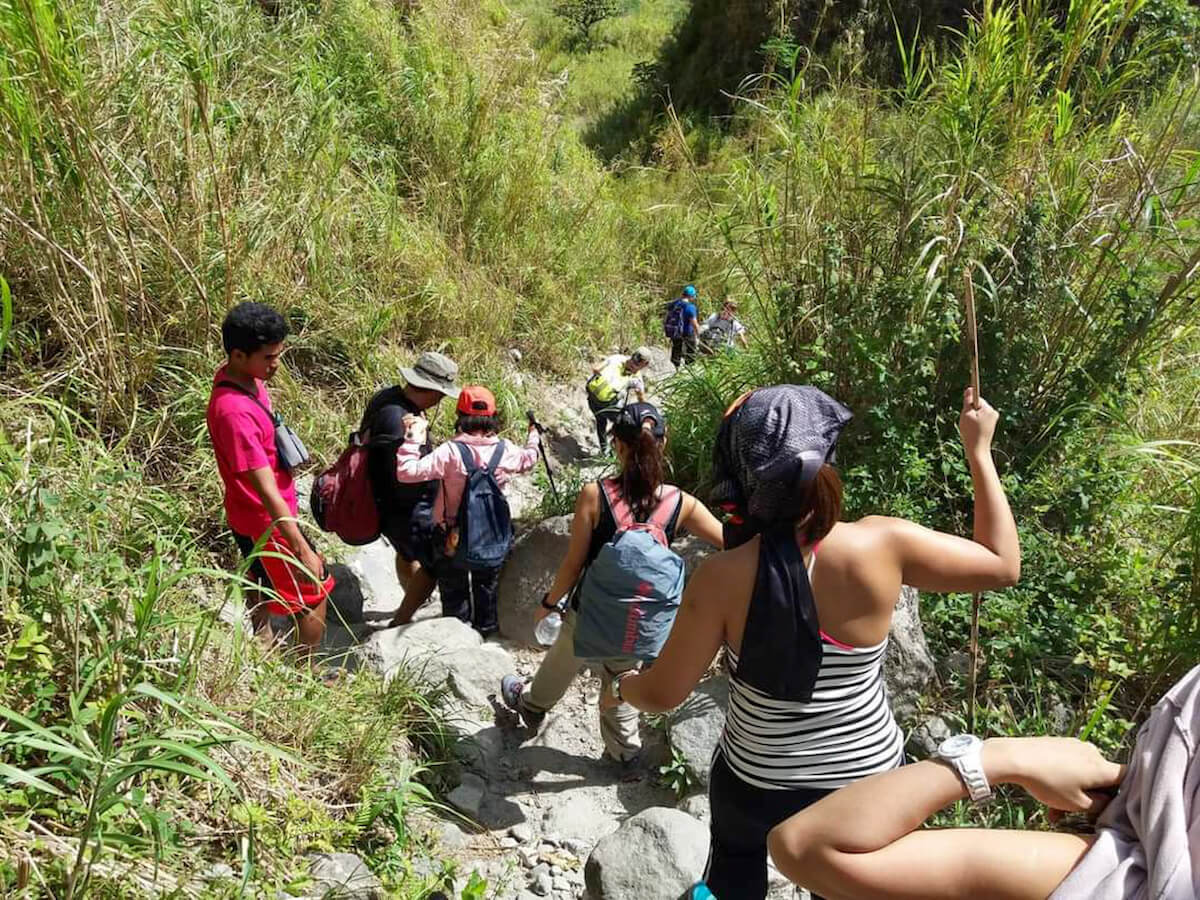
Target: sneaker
x=511, y=689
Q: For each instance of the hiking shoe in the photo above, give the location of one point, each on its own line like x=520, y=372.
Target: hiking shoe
x=511, y=689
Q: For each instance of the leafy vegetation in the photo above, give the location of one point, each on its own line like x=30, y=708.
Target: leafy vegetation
x=409, y=175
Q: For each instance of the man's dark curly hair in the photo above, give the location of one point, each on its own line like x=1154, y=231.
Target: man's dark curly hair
x=249, y=326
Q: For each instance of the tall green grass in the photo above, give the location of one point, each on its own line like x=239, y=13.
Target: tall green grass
x=384, y=179
x=1063, y=177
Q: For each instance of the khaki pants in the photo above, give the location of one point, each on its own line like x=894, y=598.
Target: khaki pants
x=618, y=725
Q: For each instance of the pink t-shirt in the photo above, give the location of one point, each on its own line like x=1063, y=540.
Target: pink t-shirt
x=243, y=438
x=446, y=463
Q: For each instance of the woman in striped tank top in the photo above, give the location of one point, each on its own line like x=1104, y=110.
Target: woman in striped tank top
x=803, y=603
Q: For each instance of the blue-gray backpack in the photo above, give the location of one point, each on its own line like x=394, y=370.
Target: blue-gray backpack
x=484, y=522
x=630, y=593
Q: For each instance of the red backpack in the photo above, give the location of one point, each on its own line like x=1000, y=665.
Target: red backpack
x=342, y=498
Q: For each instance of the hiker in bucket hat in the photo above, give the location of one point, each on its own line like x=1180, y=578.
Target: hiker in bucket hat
x=406, y=510
x=803, y=602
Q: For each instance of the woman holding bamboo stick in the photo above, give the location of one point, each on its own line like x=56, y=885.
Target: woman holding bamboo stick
x=803, y=603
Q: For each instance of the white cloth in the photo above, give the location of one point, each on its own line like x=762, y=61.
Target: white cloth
x=1148, y=839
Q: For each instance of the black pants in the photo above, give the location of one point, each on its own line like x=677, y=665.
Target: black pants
x=606, y=414
x=470, y=596
x=682, y=349
x=742, y=815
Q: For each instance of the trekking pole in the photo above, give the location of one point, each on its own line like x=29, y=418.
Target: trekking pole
x=976, y=598
x=541, y=430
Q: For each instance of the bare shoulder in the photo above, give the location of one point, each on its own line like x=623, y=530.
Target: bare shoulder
x=726, y=574
x=868, y=534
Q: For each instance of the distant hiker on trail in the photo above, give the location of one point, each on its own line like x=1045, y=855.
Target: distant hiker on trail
x=613, y=380
x=681, y=326
x=405, y=510
x=803, y=602
x=720, y=330
x=866, y=840
x=472, y=530
x=639, y=488
x=255, y=452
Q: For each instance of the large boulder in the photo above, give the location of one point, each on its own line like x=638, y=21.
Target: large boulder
x=528, y=573
x=694, y=727
x=908, y=669
x=472, y=673
x=656, y=855
x=416, y=644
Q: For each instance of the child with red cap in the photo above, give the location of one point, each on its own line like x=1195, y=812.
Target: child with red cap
x=468, y=594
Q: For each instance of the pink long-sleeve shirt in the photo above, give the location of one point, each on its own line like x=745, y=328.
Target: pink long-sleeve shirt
x=446, y=464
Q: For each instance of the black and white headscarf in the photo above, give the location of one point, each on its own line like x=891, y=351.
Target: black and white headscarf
x=770, y=447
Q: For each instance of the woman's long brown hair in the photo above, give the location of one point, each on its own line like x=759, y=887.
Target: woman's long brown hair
x=642, y=474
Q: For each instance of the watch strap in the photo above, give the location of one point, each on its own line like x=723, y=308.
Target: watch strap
x=970, y=769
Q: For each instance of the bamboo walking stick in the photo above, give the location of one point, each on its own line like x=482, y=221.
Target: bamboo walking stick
x=976, y=599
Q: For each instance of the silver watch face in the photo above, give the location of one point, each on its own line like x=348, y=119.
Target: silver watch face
x=959, y=745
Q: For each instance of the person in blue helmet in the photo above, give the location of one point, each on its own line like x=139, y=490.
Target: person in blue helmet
x=681, y=324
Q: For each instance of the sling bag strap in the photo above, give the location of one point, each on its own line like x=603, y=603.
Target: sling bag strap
x=275, y=417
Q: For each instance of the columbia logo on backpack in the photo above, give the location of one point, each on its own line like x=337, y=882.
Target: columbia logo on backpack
x=631, y=592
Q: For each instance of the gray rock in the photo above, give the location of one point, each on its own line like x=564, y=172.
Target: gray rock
x=556, y=870
x=908, y=669
x=514, y=354
x=540, y=880
x=957, y=663
x=467, y=798
x=528, y=857
x=694, y=727
x=451, y=837
x=577, y=847
x=580, y=815
x=1062, y=718
x=471, y=673
x=698, y=807
x=509, y=843
x=375, y=566
x=926, y=737
x=656, y=855
x=528, y=573
x=217, y=872
x=660, y=368
x=522, y=831
x=527, y=895
x=561, y=884
x=413, y=646
x=343, y=876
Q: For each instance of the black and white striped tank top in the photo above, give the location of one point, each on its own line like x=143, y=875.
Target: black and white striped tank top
x=844, y=733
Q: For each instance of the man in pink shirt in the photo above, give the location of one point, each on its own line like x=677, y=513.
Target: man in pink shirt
x=260, y=497
x=467, y=594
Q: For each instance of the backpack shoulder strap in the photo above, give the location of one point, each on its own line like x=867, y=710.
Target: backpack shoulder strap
x=237, y=387
x=497, y=455
x=468, y=457
x=620, y=510
x=668, y=503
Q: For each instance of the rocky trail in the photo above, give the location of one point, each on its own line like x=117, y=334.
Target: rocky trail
x=546, y=815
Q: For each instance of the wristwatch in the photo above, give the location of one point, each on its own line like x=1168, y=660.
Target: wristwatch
x=545, y=605
x=964, y=752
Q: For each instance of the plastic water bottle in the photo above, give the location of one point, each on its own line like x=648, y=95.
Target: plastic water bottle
x=546, y=631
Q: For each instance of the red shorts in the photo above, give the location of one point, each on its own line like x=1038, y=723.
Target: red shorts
x=289, y=591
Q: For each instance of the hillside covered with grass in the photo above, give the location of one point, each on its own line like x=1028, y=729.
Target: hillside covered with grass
x=479, y=178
